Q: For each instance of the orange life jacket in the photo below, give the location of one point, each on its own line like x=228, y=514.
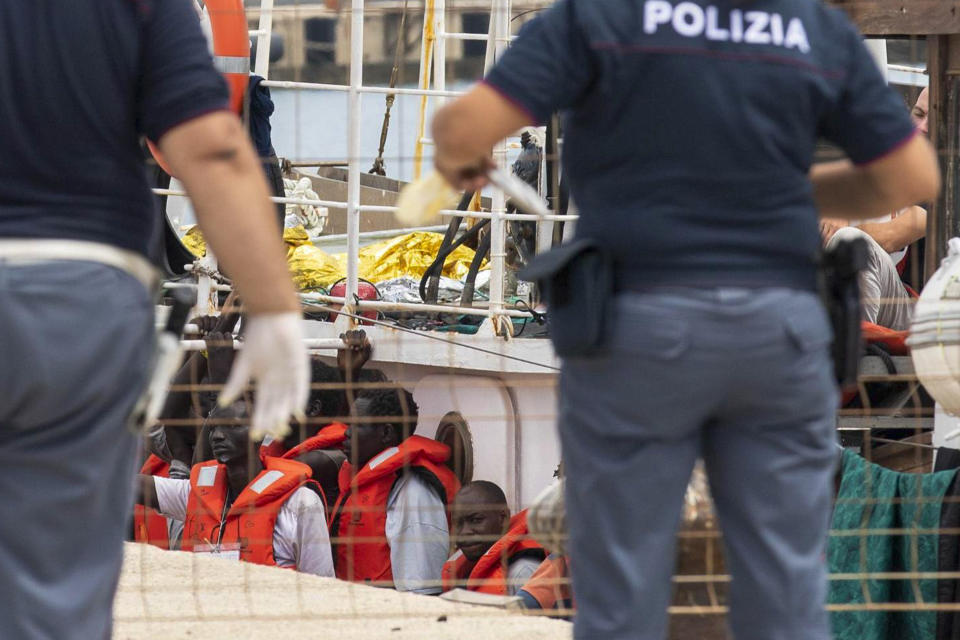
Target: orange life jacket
x=249, y=523
x=489, y=573
x=359, y=518
x=550, y=584
x=329, y=437
x=148, y=525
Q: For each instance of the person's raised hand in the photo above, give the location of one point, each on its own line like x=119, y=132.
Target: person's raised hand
x=829, y=226
x=275, y=358
x=219, y=355
x=229, y=314
x=464, y=174
x=355, y=353
x=205, y=324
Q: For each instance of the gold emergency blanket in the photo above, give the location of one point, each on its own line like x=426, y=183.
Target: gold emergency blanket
x=313, y=268
x=406, y=255
x=196, y=244
x=194, y=241
x=410, y=255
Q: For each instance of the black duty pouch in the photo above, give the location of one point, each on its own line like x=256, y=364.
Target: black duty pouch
x=577, y=283
x=840, y=287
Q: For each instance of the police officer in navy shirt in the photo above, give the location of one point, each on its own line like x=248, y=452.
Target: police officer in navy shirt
x=80, y=82
x=689, y=134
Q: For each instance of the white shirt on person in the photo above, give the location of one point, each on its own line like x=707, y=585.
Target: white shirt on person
x=895, y=256
x=418, y=534
x=300, y=537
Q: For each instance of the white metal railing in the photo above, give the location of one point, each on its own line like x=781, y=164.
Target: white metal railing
x=277, y=199
x=261, y=65
x=433, y=65
x=322, y=86
x=380, y=305
x=908, y=75
x=386, y=208
x=485, y=310
x=464, y=36
x=309, y=343
x=354, y=148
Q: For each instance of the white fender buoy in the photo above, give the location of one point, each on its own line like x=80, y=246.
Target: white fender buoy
x=935, y=334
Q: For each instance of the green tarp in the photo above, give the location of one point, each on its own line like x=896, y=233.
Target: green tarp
x=873, y=499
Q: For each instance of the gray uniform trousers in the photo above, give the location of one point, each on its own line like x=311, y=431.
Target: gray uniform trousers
x=741, y=378
x=76, y=341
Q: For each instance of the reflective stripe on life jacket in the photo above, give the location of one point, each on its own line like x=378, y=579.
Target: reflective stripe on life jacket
x=148, y=525
x=489, y=574
x=358, y=521
x=250, y=521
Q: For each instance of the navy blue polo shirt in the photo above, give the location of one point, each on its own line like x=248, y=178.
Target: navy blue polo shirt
x=690, y=128
x=80, y=82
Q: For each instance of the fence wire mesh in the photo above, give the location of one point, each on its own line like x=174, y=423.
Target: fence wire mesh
x=483, y=386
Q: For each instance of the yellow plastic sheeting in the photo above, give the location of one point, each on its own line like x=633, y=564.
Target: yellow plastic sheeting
x=406, y=255
x=312, y=268
x=196, y=244
x=409, y=255
x=295, y=237
x=194, y=241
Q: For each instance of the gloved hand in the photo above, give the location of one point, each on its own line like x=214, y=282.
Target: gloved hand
x=274, y=356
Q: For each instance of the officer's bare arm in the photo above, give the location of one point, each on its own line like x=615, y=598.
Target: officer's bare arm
x=465, y=131
x=893, y=235
x=903, y=177
x=215, y=160
x=146, y=491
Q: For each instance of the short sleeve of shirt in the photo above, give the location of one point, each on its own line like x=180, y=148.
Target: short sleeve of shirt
x=301, y=539
x=416, y=530
x=869, y=120
x=548, y=67
x=172, y=497
x=178, y=81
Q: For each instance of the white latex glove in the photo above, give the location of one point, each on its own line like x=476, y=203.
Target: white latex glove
x=274, y=356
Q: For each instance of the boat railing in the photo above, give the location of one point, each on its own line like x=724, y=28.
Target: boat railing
x=432, y=85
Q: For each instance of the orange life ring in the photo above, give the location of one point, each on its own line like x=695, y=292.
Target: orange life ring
x=231, y=55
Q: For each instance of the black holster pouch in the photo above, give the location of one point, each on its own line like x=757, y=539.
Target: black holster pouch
x=577, y=283
x=840, y=288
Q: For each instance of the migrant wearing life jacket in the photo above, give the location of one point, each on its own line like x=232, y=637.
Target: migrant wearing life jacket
x=489, y=573
x=549, y=586
x=148, y=525
x=329, y=437
x=248, y=525
x=359, y=518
